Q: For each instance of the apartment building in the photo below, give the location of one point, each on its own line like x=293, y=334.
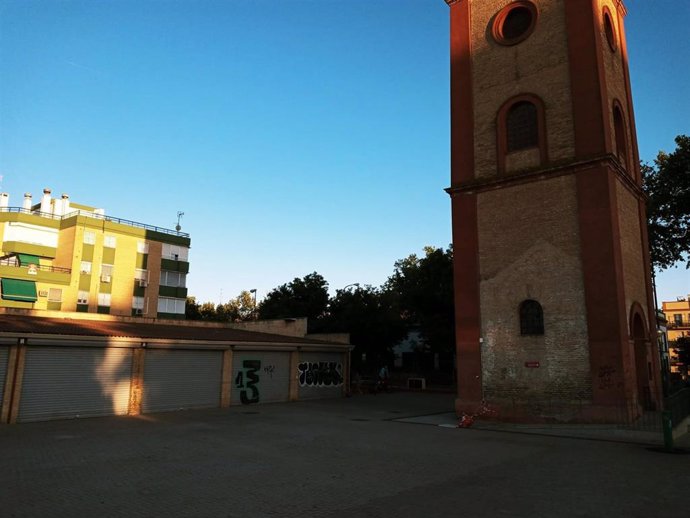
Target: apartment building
x=63, y=256
x=678, y=315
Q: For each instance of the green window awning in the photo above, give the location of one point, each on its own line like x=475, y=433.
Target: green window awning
x=21, y=291
x=26, y=259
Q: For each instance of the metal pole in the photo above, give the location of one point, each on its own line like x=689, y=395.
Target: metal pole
x=667, y=425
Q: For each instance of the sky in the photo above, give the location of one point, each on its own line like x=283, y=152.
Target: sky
x=295, y=135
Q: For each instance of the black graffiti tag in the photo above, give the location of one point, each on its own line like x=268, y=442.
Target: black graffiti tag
x=606, y=373
x=320, y=374
x=247, y=379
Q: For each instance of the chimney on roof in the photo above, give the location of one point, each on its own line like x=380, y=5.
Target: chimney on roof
x=26, y=204
x=4, y=200
x=45, y=202
x=65, y=204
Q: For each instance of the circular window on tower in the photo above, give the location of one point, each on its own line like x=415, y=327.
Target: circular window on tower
x=609, y=29
x=514, y=23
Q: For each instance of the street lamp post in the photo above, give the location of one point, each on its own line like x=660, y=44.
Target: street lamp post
x=253, y=291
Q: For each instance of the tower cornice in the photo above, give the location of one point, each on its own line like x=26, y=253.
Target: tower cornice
x=451, y=2
x=539, y=174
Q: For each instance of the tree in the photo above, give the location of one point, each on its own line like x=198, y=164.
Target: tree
x=239, y=309
x=306, y=297
x=191, y=309
x=682, y=347
x=667, y=185
x=424, y=290
x=372, y=318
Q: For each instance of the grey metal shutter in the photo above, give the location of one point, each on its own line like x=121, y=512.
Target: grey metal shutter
x=320, y=375
x=260, y=377
x=177, y=379
x=75, y=382
x=4, y=353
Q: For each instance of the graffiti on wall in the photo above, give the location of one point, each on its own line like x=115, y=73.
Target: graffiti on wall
x=247, y=379
x=269, y=369
x=606, y=373
x=320, y=374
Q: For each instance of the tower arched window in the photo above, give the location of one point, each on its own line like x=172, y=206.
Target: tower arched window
x=522, y=127
x=521, y=137
x=619, y=131
x=531, y=318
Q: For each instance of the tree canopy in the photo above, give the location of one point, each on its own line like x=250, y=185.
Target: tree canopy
x=667, y=185
x=424, y=291
x=306, y=297
x=419, y=295
x=239, y=309
x=372, y=318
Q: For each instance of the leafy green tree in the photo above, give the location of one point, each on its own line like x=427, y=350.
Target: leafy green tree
x=208, y=311
x=191, y=309
x=372, y=318
x=667, y=185
x=239, y=309
x=424, y=291
x=682, y=346
x=306, y=297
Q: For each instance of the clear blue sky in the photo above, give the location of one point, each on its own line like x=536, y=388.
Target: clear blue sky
x=296, y=135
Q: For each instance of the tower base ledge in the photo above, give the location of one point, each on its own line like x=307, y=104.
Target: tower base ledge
x=534, y=411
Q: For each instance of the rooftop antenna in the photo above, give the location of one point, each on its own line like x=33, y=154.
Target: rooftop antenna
x=178, y=227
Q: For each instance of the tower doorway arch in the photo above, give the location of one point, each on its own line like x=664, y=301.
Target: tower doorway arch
x=643, y=360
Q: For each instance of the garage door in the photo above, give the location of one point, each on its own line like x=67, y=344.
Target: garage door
x=177, y=379
x=4, y=353
x=260, y=377
x=320, y=375
x=64, y=382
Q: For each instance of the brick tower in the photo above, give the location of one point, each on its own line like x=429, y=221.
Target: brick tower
x=554, y=311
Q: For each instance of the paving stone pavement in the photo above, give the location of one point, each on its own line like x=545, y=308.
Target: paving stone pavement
x=328, y=458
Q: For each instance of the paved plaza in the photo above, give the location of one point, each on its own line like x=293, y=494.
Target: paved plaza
x=355, y=457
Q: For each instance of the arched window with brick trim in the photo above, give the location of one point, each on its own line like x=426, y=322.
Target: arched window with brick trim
x=531, y=318
x=522, y=126
x=620, y=134
x=521, y=139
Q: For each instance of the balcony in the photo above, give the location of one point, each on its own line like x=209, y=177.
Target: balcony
x=10, y=268
x=678, y=325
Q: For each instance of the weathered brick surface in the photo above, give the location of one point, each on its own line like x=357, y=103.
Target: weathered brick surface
x=631, y=249
x=538, y=65
x=529, y=249
x=614, y=75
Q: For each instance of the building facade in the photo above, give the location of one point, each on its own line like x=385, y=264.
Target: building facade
x=554, y=311
x=62, y=256
x=70, y=366
x=678, y=326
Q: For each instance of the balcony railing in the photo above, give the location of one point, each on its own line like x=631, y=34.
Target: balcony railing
x=93, y=215
x=676, y=325
x=7, y=261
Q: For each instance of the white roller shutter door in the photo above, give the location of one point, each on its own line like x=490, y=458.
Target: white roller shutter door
x=64, y=382
x=177, y=379
x=320, y=375
x=260, y=377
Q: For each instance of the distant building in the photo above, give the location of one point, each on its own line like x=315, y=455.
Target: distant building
x=63, y=256
x=678, y=316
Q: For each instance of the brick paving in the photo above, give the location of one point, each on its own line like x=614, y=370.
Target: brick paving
x=327, y=458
